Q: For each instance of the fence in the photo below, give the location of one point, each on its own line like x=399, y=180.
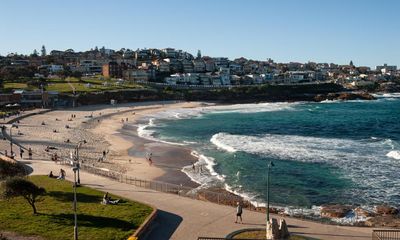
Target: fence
x=386, y=234
x=222, y=197
x=199, y=194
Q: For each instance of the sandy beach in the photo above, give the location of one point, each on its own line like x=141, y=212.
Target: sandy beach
x=112, y=129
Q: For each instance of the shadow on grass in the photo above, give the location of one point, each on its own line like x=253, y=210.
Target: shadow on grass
x=93, y=221
x=69, y=196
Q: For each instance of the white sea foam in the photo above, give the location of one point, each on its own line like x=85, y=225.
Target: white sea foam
x=215, y=140
x=182, y=113
x=387, y=95
x=207, y=176
x=148, y=134
x=394, y=154
x=331, y=101
x=365, y=162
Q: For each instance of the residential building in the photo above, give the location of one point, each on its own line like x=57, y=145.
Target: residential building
x=187, y=66
x=221, y=62
x=170, y=52
x=199, y=65
x=162, y=66
x=386, y=69
x=210, y=66
x=174, y=64
x=205, y=79
x=235, y=80
x=113, y=70
x=136, y=75
x=235, y=68
x=215, y=80
x=52, y=69
x=90, y=66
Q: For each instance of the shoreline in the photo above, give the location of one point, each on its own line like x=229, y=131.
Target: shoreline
x=131, y=149
x=127, y=149
x=314, y=213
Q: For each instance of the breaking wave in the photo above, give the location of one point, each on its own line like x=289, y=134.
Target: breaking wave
x=365, y=161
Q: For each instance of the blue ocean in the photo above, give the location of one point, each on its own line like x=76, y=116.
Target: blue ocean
x=342, y=152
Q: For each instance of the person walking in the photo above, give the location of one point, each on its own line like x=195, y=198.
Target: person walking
x=239, y=211
x=30, y=153
x=21, y=152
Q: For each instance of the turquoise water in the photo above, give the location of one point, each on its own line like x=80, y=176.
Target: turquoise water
x=334, y=152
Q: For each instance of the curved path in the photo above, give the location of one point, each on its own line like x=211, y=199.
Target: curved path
x=184, y=218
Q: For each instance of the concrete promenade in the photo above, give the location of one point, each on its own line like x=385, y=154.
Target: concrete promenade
x=184, y=218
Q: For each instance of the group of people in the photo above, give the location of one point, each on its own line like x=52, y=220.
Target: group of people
x=199, y=169
x=21, y=153
x=61, y=176
x=122, y=120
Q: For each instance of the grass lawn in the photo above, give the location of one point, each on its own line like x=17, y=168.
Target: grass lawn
x=62, y=86
x=261, y=235
x=15, y=85
x=94, y=86
x=55, y=218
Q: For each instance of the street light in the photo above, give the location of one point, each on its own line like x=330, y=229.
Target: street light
x=270, y=165
x=75, y=216
x=11, y=142
x=77, y=158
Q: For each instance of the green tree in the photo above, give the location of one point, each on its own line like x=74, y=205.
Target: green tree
x=43, y=51
x=35, y=53
x=20, y=187
x=8, y=169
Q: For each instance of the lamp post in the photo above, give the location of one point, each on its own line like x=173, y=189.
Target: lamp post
x=75, y=169
x=11, y=141
x=270, y=165
x=77, y=159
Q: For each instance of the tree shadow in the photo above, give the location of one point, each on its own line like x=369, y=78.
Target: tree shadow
x=164, y=225
x=69, y=196
x=91, y=221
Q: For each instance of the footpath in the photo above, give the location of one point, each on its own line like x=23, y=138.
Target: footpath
x=184, y=218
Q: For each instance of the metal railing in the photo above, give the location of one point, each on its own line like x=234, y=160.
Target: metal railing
x=223, y=198
x=385, y=234
x=199, y=194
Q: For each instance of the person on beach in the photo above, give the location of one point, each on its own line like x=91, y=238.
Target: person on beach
x=51, y=174
x=193, y=167
x=150, y=161
x=21, y=152
x=30, y=153
x=239, y=211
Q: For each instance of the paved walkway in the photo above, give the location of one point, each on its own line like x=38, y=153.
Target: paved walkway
x=184, y=218
x=22, y=115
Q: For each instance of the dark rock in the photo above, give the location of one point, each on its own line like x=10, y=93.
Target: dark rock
x=386, y=210
x=363, y=212
x=335, y=211
x=344, y=96
x=383, y=221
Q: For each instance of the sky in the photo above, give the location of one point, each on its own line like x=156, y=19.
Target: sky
x=364, y=31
